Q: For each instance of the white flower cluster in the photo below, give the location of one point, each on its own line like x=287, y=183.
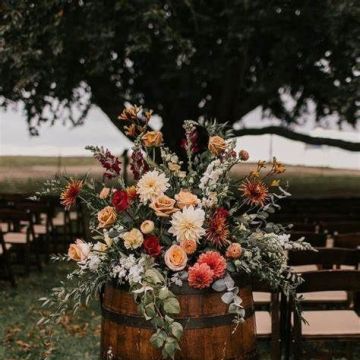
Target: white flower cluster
x=93, y=262
x=210, y=184
x=211, y=175
x=129, y=269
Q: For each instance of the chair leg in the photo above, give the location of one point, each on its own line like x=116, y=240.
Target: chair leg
x=46, y=240
x=285, y=325
x=8, y=270
x=36, y=249
x=297, y=343
x=27, y=260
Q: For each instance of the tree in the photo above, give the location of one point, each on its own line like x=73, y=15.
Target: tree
x=184, y=59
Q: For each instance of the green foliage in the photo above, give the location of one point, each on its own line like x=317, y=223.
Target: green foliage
x=183, y=58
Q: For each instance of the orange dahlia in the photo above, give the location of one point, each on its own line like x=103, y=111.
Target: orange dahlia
x=255, y=191
x=200, y=276
x=215, y=261
x=218, y=231
x=70, y=193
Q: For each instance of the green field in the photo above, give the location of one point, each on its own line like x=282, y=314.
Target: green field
x=26, y=161
x=25, y=174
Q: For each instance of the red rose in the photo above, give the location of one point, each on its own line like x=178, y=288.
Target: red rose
x=152, y=245
x=120, y=200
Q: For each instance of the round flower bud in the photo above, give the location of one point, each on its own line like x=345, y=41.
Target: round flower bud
x=243, y=155
x=234, y=251
x=147, y=227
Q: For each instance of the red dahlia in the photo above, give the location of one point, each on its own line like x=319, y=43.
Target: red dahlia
x=218, y=231
x=215, y=261
x=70, y=193
x=200, y=276
x=255, y=191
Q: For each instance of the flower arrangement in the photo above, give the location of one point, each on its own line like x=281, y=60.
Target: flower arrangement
x=181, y=221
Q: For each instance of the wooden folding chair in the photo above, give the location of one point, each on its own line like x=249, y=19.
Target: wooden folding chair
x=324, y=258
x=326, y=325
x=41, y=212
x=268, y=320
x=21, y=237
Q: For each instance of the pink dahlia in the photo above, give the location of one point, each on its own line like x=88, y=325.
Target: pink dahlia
x=200, y=276
x=215, y=261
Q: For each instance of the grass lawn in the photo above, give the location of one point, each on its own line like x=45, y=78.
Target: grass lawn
x=27, y=173
x=21, y=339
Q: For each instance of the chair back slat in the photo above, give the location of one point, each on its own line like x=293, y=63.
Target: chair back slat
x=325, y=257
x=15, y=215
x=317, y=240
x=350, y=241
x=330, y=280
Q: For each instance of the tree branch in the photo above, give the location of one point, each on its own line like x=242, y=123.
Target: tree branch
x=289, y=134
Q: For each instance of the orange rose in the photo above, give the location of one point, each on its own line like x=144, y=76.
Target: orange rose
x=79, y=251
x=175, y=258
x=131, y=192
x=106, y=217
x=104, y=193
x=185, y=198
x=163, y=206
x=189, y=246
x=234, y=251
x=152, y=138
x=216, y=145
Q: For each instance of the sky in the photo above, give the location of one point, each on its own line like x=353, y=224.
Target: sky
x=60, y=140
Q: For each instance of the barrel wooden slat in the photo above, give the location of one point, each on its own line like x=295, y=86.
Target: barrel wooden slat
x=208, y=327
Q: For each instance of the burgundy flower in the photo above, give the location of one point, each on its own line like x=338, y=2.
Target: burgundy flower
x=138, y=164
x=194, y=136
x=152, y=245
x=120, y=200
x=109, y=162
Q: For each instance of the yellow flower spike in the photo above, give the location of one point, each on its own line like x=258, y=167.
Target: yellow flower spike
x=255, y=173
x=261, y=164
x=275, y=183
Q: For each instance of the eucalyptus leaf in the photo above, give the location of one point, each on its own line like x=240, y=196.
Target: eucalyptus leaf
x=219, y=285
x=227, y=297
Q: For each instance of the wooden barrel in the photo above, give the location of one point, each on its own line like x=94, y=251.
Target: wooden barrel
x=208, y=327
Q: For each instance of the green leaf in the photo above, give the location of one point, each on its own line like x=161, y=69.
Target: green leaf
x=168, y=319
x=154, y=276
x=158, y=322
x=165, y=293
x=177, y=329
x=170, y=347
x=231, y=267
x=171, y=306
x=158, y=339
x=150, y=311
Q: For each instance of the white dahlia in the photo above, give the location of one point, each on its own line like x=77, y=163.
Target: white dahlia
x=187, y=224
x=152, y=185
